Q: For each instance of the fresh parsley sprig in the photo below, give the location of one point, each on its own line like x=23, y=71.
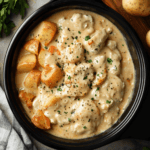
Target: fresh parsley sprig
x=8, y=7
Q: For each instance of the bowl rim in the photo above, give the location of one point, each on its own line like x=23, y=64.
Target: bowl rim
x=114, y=14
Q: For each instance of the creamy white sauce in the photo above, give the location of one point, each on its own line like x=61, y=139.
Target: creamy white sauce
x=99, y=75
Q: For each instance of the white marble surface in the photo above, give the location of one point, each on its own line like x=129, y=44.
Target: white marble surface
x=4, y=42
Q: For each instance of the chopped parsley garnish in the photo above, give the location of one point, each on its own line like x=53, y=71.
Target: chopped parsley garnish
x=58, y=111
x=97, y=89
x=122, y=44
x=68, y=39
x=92, y=98
x=95, y=95
x=76, y=85
x=58, y=65
x=90, y=61
x=69, y=77
x=87, y=38
x=72, y=43
x=91, y=109
x=84, y=50
x=97, y=74
x=65, y=43
x=89, y=120
x=76, y=37
x=77, y=56
x=65, y=112
x=60, y=27
x=85, y=78
x=109, y=60
x=52, y=91
x=79, y=32
x=84, y=127
x=69, y=96
x=46, y=47
x=97, y=61
x=78, y=99
x=115, y=68
x=90, y=85
x=107, y=101
x=69, y=119
x=59, y=89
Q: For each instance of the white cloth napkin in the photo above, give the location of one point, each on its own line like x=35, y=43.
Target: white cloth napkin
x=12, y=136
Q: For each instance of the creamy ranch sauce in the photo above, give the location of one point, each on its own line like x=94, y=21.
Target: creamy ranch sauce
x=76, y=116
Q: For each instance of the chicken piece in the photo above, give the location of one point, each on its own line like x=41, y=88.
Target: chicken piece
x=83, y=22
x=63, y=40
x=113, y=58
x=32, y=46
x=51, y=75
x=112, y=44
x=87, y=117
x=73, y=54
x=77, y=79
x=112, y=88
x=32, y=80
x=96, y=41
x=26, y=97
x=100, y=76
x=99, y=64
x=51, y=101
x=41, y=121
x=111, y=116
x=46, y=32
x=26, y=63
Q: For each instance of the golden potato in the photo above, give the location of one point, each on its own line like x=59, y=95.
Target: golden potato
x=46, y=32
x=32, y=46
x=41, y=57
x=41, y=121
x=148, y=38
x=52, y=100
x=137, y=7
x=26, y=63
x=26, y=97
x=51, y=75
x=33, y=79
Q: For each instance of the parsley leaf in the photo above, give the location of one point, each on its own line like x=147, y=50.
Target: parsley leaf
x=108, y=102
x=84, y=127
x=90, y=61
x=59, y=89
x=109, y=60
x=87, y=38
x=7, y=7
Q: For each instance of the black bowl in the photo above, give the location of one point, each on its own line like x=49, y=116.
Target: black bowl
x=137, y=54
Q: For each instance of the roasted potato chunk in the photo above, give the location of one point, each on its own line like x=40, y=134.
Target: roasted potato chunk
x=33, y=79
x=51, y=75
x=41, y=57
x=32, y=46
x=46, y=32
x=41, y=121
x=52, y=100
x=26, y=63
x=26, y=97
